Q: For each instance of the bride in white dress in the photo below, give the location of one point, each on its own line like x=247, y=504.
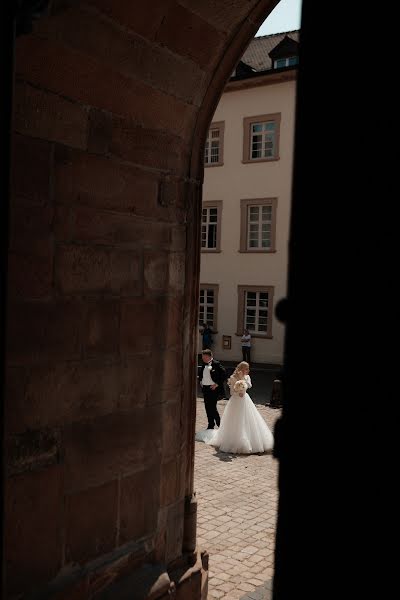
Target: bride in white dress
x=242, y=429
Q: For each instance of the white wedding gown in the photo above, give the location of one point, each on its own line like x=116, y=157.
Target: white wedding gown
x=242, y=429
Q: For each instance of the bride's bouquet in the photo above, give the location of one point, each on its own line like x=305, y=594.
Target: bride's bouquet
x=240, y=387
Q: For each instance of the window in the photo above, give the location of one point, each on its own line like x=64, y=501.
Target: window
x=214, y=148
x=211, y=226
x=255, y=310
x=258, y=225
x=261, y=138
x=208, y=305
x=286, y=62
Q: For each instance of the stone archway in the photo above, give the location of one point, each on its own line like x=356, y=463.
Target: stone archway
x=112, y=103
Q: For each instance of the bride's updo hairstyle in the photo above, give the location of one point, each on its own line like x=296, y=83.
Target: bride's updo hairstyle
x=238, y=373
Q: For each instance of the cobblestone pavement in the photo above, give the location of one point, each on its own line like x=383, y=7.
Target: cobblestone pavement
x=237, y=501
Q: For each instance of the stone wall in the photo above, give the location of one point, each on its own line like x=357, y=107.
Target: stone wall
x=112, y=104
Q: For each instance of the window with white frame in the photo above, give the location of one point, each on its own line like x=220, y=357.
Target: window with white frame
x=262, y=140
x=213, y=150
x=211, y=226
x=286, y=62
x=258, y=225
x=255, y=310
x=208, y=305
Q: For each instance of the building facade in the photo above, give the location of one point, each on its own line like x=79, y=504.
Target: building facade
x=246, y=202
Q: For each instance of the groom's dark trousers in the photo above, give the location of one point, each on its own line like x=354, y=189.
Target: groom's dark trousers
x=210, y=403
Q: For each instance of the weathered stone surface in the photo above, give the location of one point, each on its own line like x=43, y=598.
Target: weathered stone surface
x=173, y=323
x=174, y=535
x=182, y=31
x=31, y=168
x=140, y=325
x=112, y=102
x=97, y=451
x=130, y=54
x=176, y=273
x=90, y=269
x=29, y=224
x=189, y=531
x=99, y=131
x=125, y=230
x=178, y=239
x=148, y=147
x=91, y=522
x=139, y=504
x=33, y=511
x=45, y=331
x=90, y=81
x=102, y=328
x=169, y=488
x=31, y=272
x=100, y=182
x=32, y=450
x=171, y=440
x=150, y=582
x=58, y=395
x=144, y=19
x=47, y=116
x=155, y=272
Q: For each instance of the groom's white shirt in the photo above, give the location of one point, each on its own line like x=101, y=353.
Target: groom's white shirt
x=207, y=375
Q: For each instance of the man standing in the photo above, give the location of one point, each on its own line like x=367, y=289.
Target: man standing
x=246, y=345
x=212, y=376
x=207, y=336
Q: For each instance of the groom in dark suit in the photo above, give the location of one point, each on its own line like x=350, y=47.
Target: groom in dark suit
x=211, y=376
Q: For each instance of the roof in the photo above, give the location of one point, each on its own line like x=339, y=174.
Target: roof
x=257, y=53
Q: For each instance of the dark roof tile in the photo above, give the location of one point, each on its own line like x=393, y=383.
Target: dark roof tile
x=257, y=53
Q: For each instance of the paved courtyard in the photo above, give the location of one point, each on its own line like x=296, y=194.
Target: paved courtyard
x=237, y=501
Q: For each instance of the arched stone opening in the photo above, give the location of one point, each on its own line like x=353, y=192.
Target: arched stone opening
x=111, y=108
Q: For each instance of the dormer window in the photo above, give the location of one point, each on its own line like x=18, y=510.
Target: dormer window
x=285, y=54
x=280, y=63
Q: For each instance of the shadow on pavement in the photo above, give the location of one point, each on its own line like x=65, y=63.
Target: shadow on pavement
x=229, y=456
x=264, y=592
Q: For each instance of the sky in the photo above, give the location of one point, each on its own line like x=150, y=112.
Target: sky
x=286, y=16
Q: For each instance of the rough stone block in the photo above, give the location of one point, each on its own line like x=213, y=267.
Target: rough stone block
x=91, y=269
x=189, y=35
x=39, y=332
x=91, y=522
x=139, y=504
x=102, y=328
x=30, y=170
x=33, y=518
x=140, y=326
x=47, y=116
x=98, y=450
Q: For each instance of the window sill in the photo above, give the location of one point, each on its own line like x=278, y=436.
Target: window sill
x=210, y=251
x=207, y=165
x=246, y=161
x=258, y=335
x=257, y=251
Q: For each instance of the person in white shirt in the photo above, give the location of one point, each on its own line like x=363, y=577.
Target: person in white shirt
x=212, y=376
x=246, y=345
